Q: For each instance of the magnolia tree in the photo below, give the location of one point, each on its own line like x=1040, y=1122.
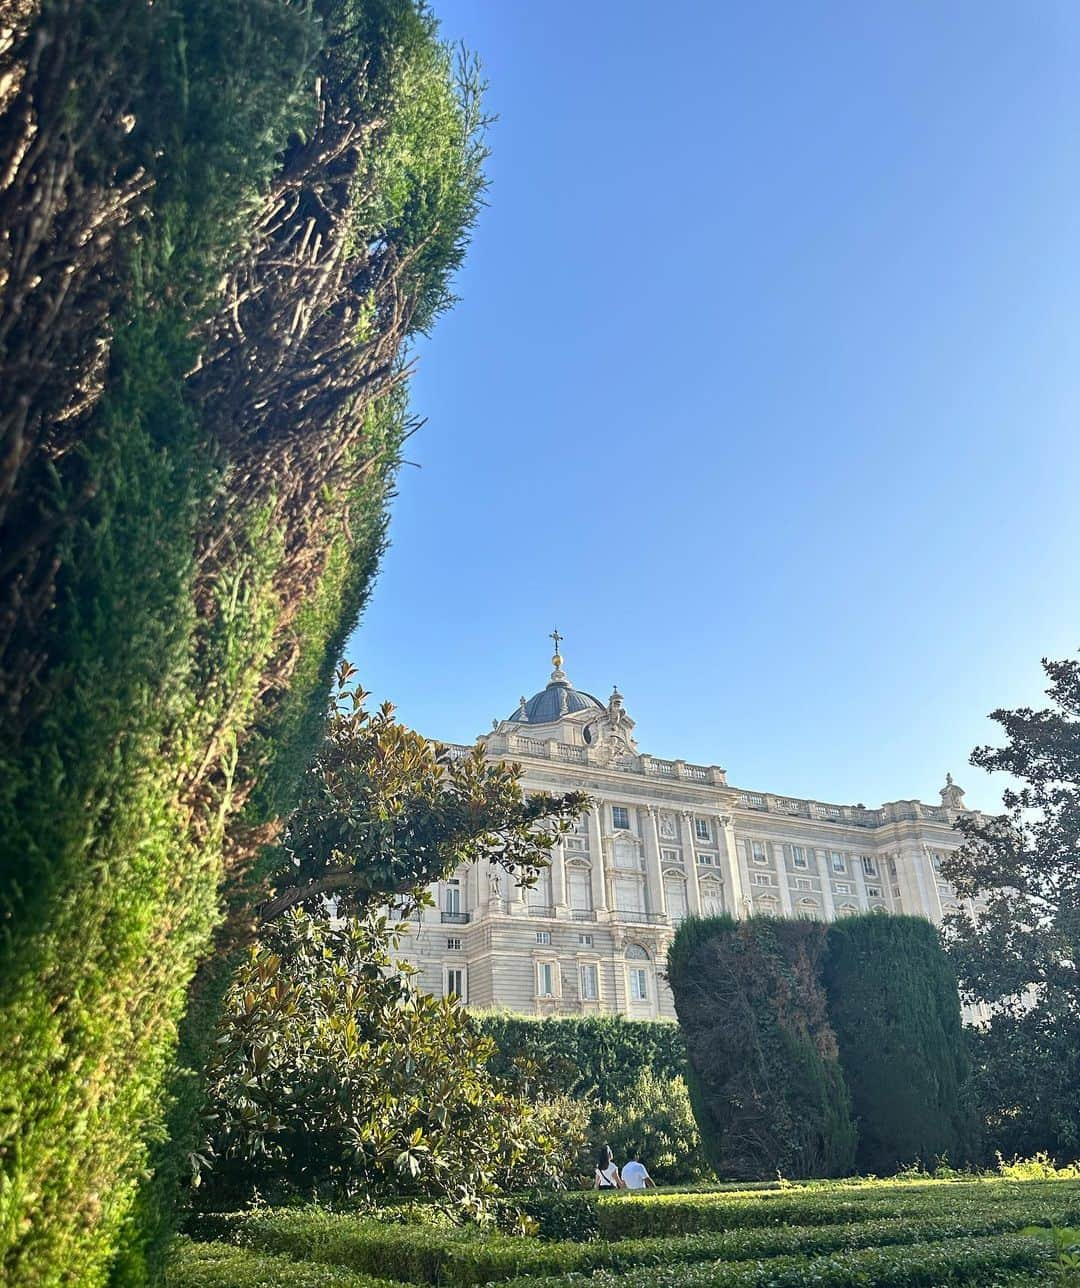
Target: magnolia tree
x=384, y=811
x=1022, y=954
x=333, y=1072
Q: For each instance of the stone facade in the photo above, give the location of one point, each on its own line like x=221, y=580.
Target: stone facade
x=664, y=839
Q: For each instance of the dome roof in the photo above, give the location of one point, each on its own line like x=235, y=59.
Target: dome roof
x=554, y=702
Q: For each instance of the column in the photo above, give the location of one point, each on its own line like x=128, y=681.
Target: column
x=693, y=893
x=735, y=870
x=654, y=876
x=927, y=882
x=596, y=860
x=860, y=884
x=821, y=858
x=558, y=881
x=783, y=878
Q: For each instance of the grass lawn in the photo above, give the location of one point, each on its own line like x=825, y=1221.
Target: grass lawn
x=900, y=1234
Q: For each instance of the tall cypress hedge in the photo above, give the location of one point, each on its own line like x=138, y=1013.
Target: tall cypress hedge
x=600, y=1056
x=764, y=1074
x=895, y=1008
x=814, y=1049
x=220, y=223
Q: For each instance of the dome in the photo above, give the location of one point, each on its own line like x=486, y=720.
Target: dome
x=560, y=698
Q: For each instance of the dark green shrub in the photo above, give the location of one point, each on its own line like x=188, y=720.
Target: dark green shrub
x=764, y=1076
x=595, y=1057
x=895, y=1009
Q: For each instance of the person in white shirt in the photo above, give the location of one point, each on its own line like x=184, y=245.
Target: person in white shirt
x=607, y=1174
x=634, y=1174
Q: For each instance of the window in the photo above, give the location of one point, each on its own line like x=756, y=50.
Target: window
x=620, y=817
x=839, y=863
x=706, y=860
x=798, y=856
x=455, y=982
x=635, y=953
x=579, y=887
x=712, y=898
x=453, y=896
x=896, y=892
x=762, y=878
x=702, y=830
x=842, y=887
x=869, y=866
x=545, y=979
x=543, y=936
x=757, y=851
x=453, y=943
x=585, y=941
x=575, y=843
x=873, y=892
x=803, y=883
x=590, y=982
x=807, y=910
x=639, y=985
x=848, y=910
x=671, y=857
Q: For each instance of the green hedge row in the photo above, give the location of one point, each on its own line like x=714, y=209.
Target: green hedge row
x=425, y=1257
x=221, y=1265
x=988, y=1262
x=597, y=1056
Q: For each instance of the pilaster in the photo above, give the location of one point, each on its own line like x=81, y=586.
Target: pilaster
x=693, y=892
x=596, y=861
x=655, y=898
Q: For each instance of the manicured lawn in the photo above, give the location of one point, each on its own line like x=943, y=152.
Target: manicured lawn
x=899, y=1234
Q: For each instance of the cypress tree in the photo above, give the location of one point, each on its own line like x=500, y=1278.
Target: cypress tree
x=895, y=1010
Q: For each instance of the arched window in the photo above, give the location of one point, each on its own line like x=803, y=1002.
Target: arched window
x=635, y=953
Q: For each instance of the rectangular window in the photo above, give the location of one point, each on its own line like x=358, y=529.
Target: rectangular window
x=896, y=892
x=702, y=830
x=803, y=883
x=453, y=943
x=798, y=856
x=620, y=817
x=575, y=843
x=873, y=892
x=670, y=856
x=757, y=851
x=543, y=936
x=869, y=866
x=839, y=863
x=453, y=896
x=590, y=982
x=842, y=887
x=455, y=982
x=545, y=979
x=639, y=985
x=762, y=878
x=585, y=940
x=706, y=860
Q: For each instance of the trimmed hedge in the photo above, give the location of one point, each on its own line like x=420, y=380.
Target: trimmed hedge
x=422, y=1257
x=895, y=1008
x=985, y=1262
x=764, y=1072
x=596, y=1056
x=221, y=1265
x=814, y=1048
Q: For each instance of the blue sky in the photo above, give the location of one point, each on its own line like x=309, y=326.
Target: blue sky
x=763, y=387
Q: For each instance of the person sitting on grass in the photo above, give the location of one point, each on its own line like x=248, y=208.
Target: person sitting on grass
x=634, y=1174
x=607, y=1174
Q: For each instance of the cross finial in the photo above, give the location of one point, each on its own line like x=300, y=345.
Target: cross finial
x=557, y=638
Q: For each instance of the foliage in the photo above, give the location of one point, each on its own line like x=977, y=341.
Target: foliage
x=219, y=1265
x=211, y=260
x=1040, y=1167
x=334, y=1075
x=1066, y=1248
x=832, y=1233
x=383, y=811
x=1022, y=953
x=656, y=1119
x=764, y=1073
x=895, y=1010
x=596, y=1057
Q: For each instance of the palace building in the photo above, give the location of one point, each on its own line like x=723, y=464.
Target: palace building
x=663, y=840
